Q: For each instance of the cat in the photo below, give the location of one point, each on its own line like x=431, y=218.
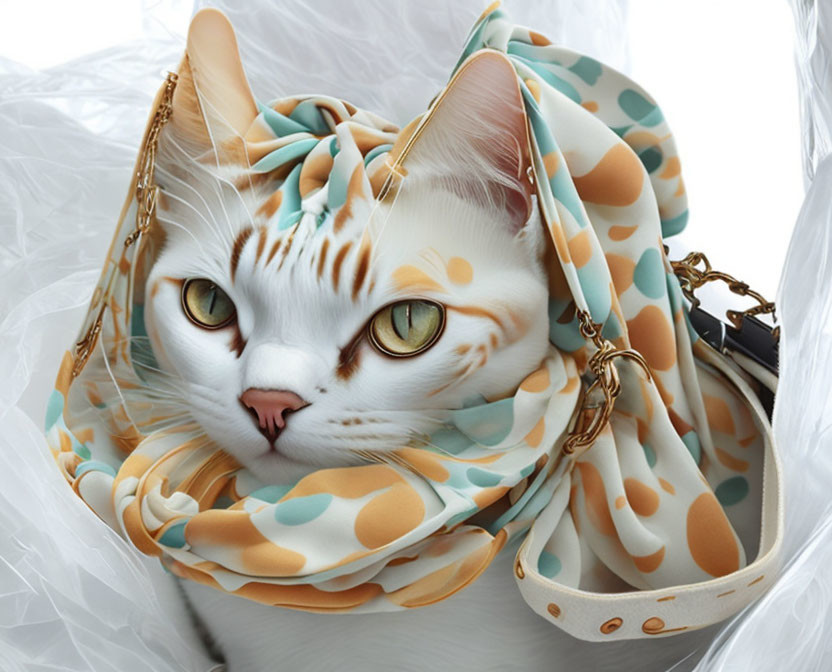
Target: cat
x=269, y=335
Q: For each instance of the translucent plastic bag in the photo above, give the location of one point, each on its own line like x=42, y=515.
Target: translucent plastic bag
x=68, y=138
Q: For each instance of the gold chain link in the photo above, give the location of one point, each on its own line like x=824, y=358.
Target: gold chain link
x=593, y=419
x=691, y=277
x=146, y=190
x=146, y=195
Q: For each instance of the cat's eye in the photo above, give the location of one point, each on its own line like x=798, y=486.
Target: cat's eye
x=407, y=328
x=206, y=305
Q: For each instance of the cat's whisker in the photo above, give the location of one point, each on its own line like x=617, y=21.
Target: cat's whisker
x=199, y=171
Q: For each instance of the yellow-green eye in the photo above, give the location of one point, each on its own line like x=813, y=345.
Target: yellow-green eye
x=407, y=328
x=206, y=304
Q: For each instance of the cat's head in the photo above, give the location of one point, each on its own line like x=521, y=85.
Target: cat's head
x=294, y=348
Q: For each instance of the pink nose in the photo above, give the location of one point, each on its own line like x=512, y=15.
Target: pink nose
x=270, y=406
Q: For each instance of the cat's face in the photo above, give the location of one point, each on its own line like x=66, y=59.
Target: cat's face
x=304, y=300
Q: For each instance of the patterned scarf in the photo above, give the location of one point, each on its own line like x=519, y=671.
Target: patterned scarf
x=647, y=530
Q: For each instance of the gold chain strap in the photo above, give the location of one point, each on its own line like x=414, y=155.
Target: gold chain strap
x=146, y=195
x=691, y=277
x=593, y=419
x=146, y=189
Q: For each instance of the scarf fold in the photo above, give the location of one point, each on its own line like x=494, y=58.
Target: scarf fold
x=653, y=529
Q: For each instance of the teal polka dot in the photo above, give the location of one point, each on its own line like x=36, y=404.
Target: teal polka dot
x=551, y=78
x=375, y=151
x=278, y=157
x=649, y=455
x=649, y=274
x=565, y=336
x=674, y=293
x=54, y=408
x=612, y=328
x=639, y=109
x=308, y=114
x=651, y=158
x=620, y=131
x=670, y=227
x=588, y=69
x=222, y=502
x=548, y=564
x=691, y=441
x=174, y=536
x=483, y=478
x=450, y=441
x=487, y=424
x=280, y=124
x=301, y=509
x=80, y=448
x=94, y=465
x=732, y=490
x=271, y=493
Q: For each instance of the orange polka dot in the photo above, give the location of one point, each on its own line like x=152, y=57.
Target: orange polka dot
x=678, y=423
x=621, y=232
x=649, y=563
x=734, y=463
x=538, y=40
x=672, y=168
x=719, y=415
x=667, y=487
x=595, y=498
x=710, y=537
x=620, y=502
x=590, y=106
x=621, y=270
x=425, y=463
x=651, y=334
x=550, y=163
x=534, y=437
x=347, y=482
x=389, y=516
x=537, y=381
x=561, y=246
x=460, y=271
x=617, y=179
x=534, y=89
x=643, y=499
x=580, y=248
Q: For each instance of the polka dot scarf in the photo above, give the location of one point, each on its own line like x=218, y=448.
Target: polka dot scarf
x=669, y=520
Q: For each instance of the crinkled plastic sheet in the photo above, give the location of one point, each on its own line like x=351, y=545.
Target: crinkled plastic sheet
x=73, y=595
x=790, y=628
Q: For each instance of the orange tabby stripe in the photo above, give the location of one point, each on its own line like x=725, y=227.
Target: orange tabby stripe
x=237, y=249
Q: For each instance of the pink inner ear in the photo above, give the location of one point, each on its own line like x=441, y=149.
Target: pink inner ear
x=476, y=137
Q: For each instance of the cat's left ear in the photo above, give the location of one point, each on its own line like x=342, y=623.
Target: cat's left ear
x=475, y=140
x=212, y=103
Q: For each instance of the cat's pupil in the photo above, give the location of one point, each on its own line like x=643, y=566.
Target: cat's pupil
x=402, y=320
x=213, y=291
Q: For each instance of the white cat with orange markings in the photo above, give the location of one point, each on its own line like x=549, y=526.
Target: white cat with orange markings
x=296, y=349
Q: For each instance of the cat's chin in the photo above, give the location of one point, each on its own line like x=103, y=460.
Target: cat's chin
x=274, y=467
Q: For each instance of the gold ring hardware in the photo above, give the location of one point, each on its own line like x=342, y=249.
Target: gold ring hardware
x=146, y=196
x=593, y=417
x=691, y=277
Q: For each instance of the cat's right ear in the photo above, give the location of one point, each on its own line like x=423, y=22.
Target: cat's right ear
x=213, y=105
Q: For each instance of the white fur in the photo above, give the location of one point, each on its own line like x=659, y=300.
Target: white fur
x=486, y=626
